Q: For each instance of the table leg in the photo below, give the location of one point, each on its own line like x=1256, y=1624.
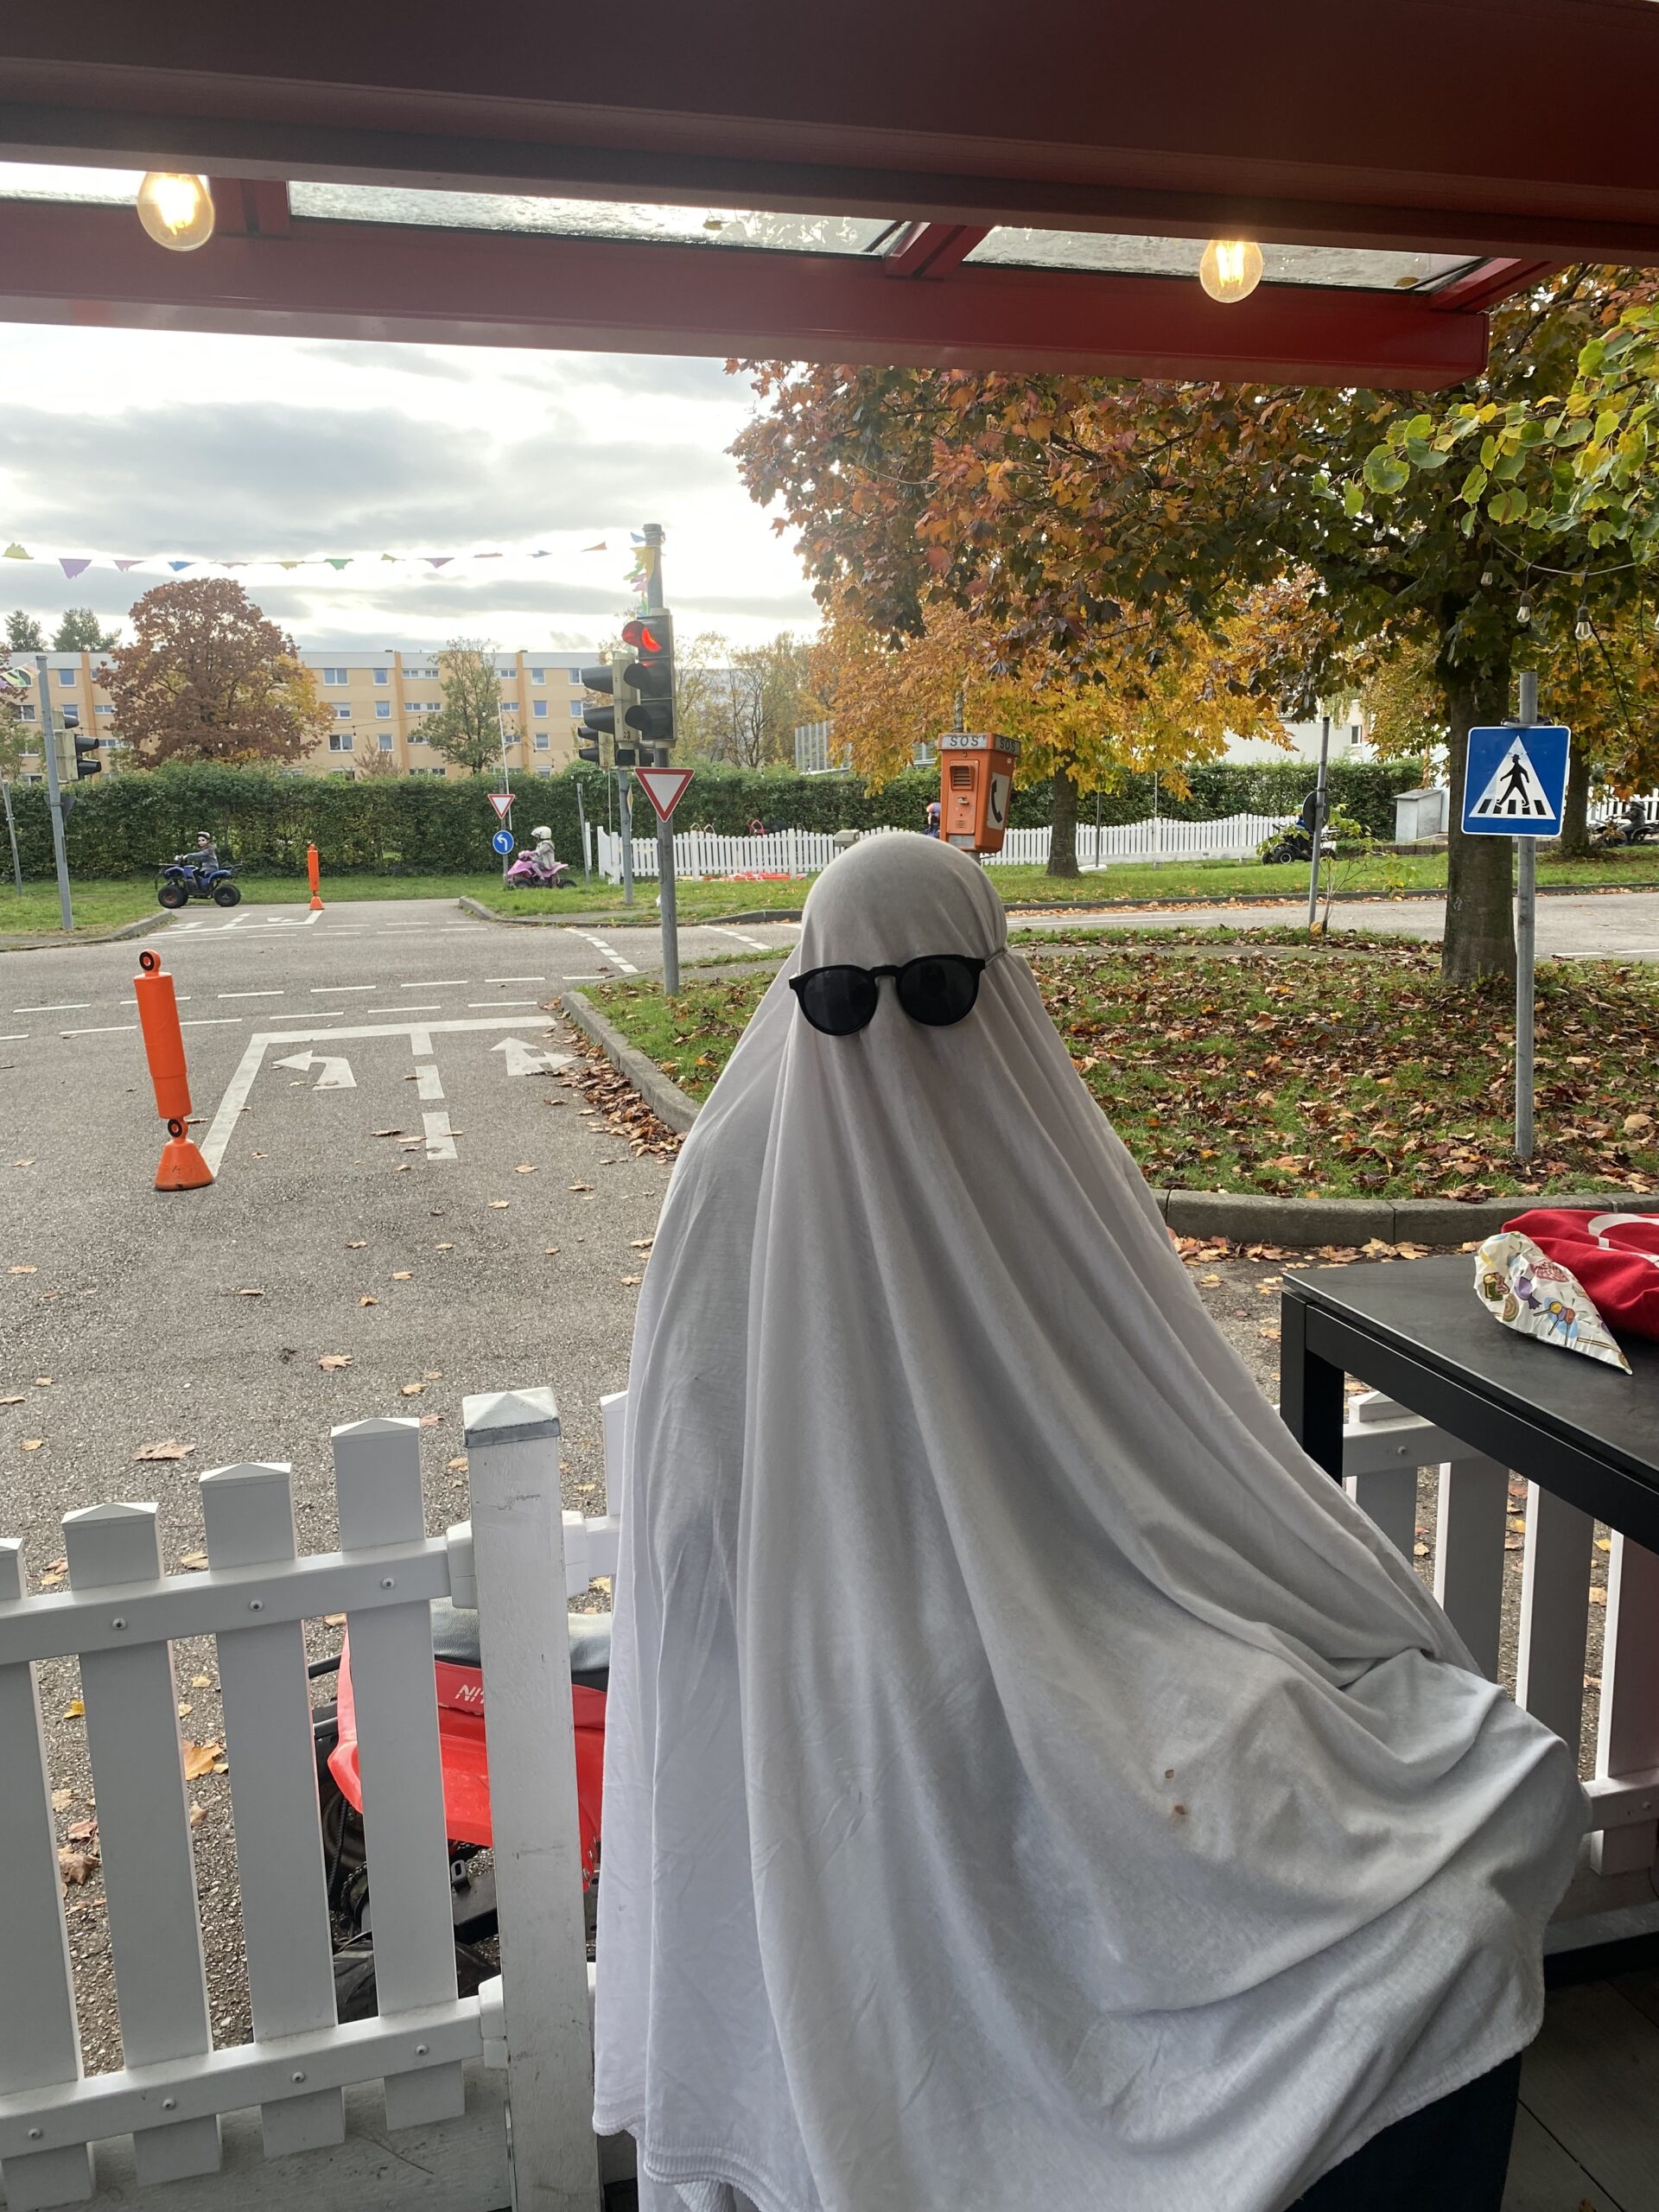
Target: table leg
x=1309, y=1389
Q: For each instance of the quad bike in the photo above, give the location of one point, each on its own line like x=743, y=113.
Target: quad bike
x=529, y=872
x=1636, y=826
x=186, y=875
x=460, y=1677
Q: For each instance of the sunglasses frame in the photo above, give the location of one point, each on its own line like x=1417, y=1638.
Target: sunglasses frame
x=897, y=970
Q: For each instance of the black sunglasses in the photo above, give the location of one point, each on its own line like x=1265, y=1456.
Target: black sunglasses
x=938, y=989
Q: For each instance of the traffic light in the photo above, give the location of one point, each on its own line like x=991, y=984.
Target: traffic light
x=597, y=720
x=650, y=676
x=588, y=745
x=86, y=760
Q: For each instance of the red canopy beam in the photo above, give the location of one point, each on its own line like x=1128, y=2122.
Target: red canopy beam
x=1156, y=115
x=94, y=265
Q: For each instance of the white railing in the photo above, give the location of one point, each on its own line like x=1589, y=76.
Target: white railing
x=1475, y=1519
x=803, y=852
x=183, y=2103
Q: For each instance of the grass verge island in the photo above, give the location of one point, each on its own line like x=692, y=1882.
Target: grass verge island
x=1360, y=1077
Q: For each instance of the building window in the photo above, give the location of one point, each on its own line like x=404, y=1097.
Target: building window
x=102, y=710
x=542, y=741
x=340, y=740
x=415, y=737
x=538, y=706
x=66, y=675
x=25, y=714
x=544, y=771
x=335, y=674
x=384, y=736
x=382, y=676
x=383, y=710
x=342, y=714
x=538, y=676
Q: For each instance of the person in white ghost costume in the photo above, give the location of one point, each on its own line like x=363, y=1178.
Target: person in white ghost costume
x=1029, y=1779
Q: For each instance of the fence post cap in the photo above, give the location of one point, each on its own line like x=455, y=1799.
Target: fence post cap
x=508, y=1417
x=83, y=1513
x=385, y=1424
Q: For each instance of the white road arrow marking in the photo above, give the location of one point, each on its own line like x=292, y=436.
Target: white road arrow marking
x=531, y=1059
x=336, y=1073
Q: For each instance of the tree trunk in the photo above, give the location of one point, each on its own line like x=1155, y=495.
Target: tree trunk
x=1062, y=838
x=1479, y=939
x=1575, y=813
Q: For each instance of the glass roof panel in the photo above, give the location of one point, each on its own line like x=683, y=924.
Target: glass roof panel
x=1356, y=268
x=588, y=218
x=52, y=181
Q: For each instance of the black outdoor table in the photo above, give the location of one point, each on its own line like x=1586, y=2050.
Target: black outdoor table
x=1416, y=1330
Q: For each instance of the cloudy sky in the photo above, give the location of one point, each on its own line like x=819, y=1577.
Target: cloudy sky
x=133, y=443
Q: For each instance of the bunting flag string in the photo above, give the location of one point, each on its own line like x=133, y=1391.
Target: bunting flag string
x=76, y=565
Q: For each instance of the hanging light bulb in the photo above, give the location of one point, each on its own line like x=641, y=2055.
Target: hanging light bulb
x=1523, y=612
x=1485, y=578
x=1230, y=269
x=176, y=210
x=1581, y=629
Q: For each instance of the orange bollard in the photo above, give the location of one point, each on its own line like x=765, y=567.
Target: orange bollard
x=182, y=1167
x=315, y=872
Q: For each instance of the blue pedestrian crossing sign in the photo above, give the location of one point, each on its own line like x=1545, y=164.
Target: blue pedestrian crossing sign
x=1514, y=785
x=502, y=842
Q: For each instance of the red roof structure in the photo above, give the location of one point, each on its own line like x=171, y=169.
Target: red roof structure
x=972, y=187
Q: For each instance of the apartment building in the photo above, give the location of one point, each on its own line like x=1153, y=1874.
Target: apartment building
x=379, y=706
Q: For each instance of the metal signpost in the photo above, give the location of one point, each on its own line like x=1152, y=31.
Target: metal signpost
x=665, y=788
x=1319, y=825
x=53, y=790
x=1515, y=785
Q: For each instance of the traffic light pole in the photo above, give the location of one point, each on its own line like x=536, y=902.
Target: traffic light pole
x=54, y=788
x=667, y=900
x=1319, y=826
x=1526, y=939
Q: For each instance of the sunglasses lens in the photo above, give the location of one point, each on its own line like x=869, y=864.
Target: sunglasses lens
x=838, y=1001
x=939, y=990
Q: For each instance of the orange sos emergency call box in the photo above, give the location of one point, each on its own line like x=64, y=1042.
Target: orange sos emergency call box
x=975, y=789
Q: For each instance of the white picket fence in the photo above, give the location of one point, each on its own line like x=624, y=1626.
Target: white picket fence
x=423, y=2059
x=803, y=852
x=488, y=2099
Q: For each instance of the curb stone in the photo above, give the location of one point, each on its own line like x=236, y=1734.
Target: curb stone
x=1243, y=1216
x=664, y=1097
x=625, y=921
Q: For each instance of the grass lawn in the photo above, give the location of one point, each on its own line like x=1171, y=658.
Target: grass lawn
x=1359, y=1079
x=105, y=905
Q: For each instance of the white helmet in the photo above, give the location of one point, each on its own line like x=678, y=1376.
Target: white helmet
x=542, y=830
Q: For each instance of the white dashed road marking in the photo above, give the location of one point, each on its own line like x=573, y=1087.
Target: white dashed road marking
x=714, y=931
x=250, y=994
x=116, y=1029
x=440, y=1139
x=515, y=979
x=335, y=990
x=437, y=983
x=475, y=1003
x=428, y=1082
x=599, y=946
x=58, y=1006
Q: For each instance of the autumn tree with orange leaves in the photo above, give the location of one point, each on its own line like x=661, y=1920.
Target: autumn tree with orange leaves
x=205, y=676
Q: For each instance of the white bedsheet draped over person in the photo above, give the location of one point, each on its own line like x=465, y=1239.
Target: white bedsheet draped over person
x=1029, y=1780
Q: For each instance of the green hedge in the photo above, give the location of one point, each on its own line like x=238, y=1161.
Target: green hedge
x=126, y=824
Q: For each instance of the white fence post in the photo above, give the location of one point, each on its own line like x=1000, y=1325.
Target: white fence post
x=511, y=1441
x=1627, y=1735
x=377, y=1477
x=248, y=1514
x=150, y=1876
x=1469, y=1553
x=1554, y=1613
x=40, y=2046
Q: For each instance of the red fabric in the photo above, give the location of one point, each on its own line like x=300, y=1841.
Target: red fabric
x=1614, y=1255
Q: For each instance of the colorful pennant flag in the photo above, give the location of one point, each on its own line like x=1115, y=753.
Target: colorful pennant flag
x=72, y=568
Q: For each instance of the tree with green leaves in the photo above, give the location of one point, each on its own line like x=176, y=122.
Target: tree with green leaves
x=80, y=631
x=466, y=728
x=1056, y=507
x=23, y=633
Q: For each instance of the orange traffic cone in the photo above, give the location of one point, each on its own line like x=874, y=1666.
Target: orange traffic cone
x=182, y=1167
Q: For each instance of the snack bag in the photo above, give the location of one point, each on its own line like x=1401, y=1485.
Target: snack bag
x=1615, y=1255
x=1537, y=1296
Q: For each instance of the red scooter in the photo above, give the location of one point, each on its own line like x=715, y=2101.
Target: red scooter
x=466, y=1792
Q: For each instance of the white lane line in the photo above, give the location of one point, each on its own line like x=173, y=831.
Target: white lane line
x=515, y=979
x=599, y=946
x=58, y=1006
x=414, y=1005
x=738, y=937
x=312, y=1013
x=336, y=990
x=250, y=994
x=15, y=1037
x=115, y=1029
x=428, y=1082
x=475, y=1003
x=438, y=984
x=216, y=1141
x=212, y=1021
x=440, y=1138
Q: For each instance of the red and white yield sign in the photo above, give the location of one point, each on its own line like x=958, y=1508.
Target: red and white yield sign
x=502, y=802
x=664, y=788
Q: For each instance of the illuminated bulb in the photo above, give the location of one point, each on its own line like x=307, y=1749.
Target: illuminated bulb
x=177, y=211
x=1581, y=629
x=1485, y=577
x=1230, y=269
x=1523, y=612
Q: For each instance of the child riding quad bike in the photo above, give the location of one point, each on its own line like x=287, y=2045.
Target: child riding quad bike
x=200, y=872
x=537, y=869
